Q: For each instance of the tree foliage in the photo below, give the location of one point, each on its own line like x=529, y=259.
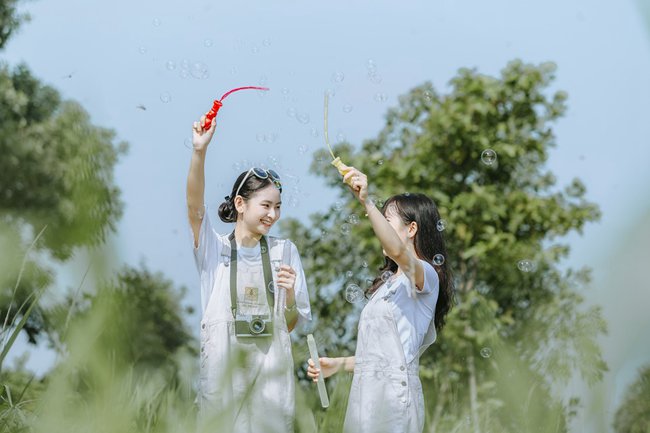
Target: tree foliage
x=633, y=415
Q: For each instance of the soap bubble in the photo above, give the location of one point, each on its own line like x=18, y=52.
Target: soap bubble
x=353, y=293
x=338, y=77
x=156, y=22
x=438, y=259
x=165, y=97
x=441, y=225
x=353, y=219
x=380, y=97
x=488, y=156
x=171, y=65
x=526, y=265
x=345, y=228
x=364, y=264
x=208, y=43
x=349, y=274
x=347, y=108
x=486, y=352
x=385, y=276
x=303, y=118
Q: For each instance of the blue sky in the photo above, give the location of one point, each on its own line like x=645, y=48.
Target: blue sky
x=115, y=56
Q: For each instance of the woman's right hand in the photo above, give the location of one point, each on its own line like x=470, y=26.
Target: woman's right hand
x=201, y=137
x=328, y=366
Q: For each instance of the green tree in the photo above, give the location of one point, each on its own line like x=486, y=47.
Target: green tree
x=56, y=172
x=520, y=327
x=633, y=415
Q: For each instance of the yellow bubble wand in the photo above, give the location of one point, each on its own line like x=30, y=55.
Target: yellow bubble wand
x=342, y=168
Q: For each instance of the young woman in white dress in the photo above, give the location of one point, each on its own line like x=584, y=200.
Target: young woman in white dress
x=253, y=292
x=407, y=305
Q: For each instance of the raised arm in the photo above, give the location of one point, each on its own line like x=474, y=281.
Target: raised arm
x=390, y=241
x=196, y=177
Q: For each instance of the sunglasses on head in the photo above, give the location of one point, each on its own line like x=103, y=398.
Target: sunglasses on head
x=260, y=173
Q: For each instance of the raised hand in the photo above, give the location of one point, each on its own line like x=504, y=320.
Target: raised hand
x=201, y=137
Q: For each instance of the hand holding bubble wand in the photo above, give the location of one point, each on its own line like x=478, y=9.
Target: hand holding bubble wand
x=210, y=115
x=313, y=352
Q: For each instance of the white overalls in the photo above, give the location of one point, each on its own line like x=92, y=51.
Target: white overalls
x=386, y=393
x=246, y=384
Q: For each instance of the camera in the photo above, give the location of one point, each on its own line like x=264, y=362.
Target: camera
x=253, y=326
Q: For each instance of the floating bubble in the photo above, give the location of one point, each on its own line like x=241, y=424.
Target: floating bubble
x=340, y=137
x=345, y=228
x=354, y=219
x=302, y=149
x=271, y=287
x=330, y=92
x=347, y=108
x=285, y=91
x=170, y=65
x=184, y=73
x=428, y=95
x=199, y=71
x=303, y=118
x=255, y=49
x=380, y=97
x=338, y=205
x=380, y=162
x=364, y=264
x=385, y=276
x=266, y=42
x=314, y=132
x=486, y=352
x=291, y=112
x=488, y=156
x=187, y=143
x=142, y=50
x=208, y=43
x=441, y=225
x=526, y=265
x=165, y=97
x=263, y=249
x=374, y=77
x=338, y=77
x=438, y=259
x=155, y=22
x=353, y=293
x=369, y=282
x=349, y=274
x=226, y=260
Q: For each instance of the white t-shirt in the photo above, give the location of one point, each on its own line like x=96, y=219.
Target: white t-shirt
x=414, y=316
x=208, y=255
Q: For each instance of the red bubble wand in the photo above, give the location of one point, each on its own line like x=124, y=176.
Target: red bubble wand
x=210, y=115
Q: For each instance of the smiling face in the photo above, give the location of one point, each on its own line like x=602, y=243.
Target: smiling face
x=260, y=211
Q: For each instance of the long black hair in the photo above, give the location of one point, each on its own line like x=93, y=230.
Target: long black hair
x=227, y=211
x=429, y=241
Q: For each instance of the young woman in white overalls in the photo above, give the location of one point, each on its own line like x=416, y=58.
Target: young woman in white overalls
x=407, y=304
x=253, y=292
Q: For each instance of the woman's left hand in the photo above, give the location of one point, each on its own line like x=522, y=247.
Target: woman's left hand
x=286, y=279
x=358, y=183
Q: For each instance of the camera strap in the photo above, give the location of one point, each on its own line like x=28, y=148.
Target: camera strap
x=266, y=268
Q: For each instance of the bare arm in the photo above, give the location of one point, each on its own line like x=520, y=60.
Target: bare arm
x=390, y=242
x=196, y=177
